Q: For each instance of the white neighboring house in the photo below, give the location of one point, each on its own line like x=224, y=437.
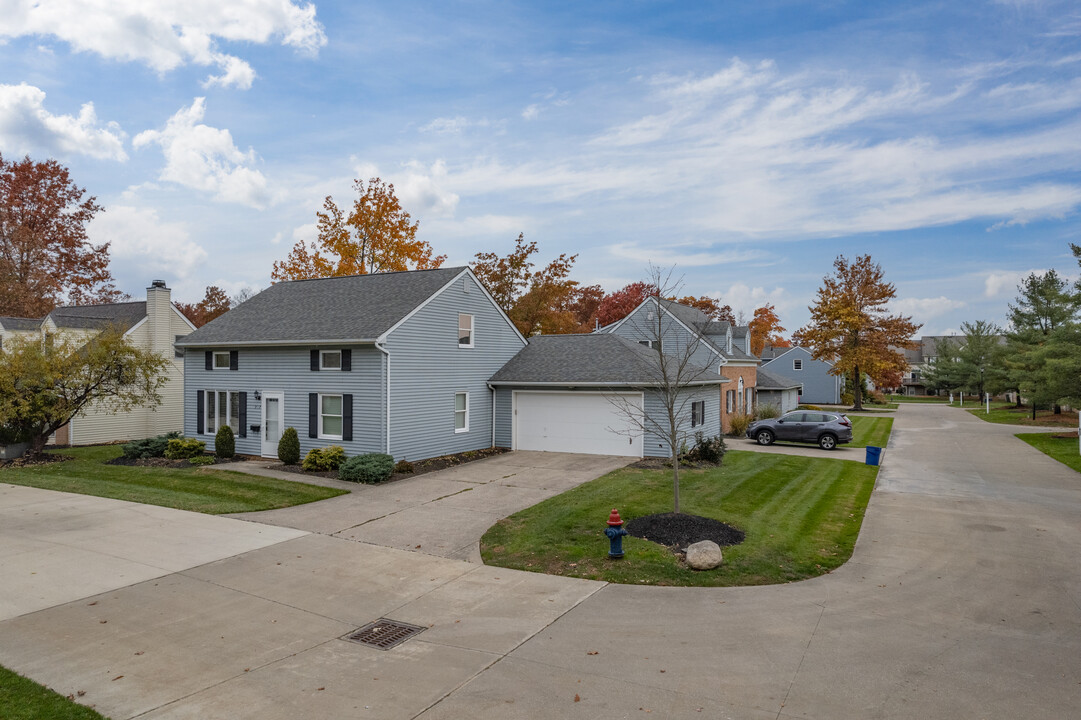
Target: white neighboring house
x=155, y=324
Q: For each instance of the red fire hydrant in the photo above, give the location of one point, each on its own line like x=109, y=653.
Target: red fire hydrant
x=615, y=533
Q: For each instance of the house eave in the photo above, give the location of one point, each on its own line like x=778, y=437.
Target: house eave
x=276, y=343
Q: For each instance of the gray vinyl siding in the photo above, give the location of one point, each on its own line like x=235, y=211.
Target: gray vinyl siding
x=653, y=445
x=427, y=369
x=675, y=339
x=784, y=400
x=288, y=370
x=819, y=386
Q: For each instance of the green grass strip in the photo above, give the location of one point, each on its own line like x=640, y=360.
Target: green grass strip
x=23, y=699
x=1065, y=450
x=801, y=517
x=202, y=489
x=870, y=431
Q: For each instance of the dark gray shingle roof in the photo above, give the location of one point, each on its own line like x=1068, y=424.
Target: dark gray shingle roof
x=594, y=359
x=766, y=380
x=357, y=307
x=14, y=323
x=85, y=317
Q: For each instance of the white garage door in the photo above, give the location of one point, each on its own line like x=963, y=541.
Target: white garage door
x=574, y=422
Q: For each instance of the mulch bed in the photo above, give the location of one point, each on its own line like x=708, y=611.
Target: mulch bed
x=678, y=530
x=167, y=463
x=1066, y=435
x=419, y=467
x=652, y=463
x=39, y=460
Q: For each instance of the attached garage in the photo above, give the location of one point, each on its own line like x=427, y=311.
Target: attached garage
x=580, y=422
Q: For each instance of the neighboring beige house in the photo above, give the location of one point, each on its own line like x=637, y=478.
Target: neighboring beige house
x=13, y=327
x=154, y=323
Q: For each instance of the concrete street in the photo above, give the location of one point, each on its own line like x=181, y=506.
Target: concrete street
x=962, y=600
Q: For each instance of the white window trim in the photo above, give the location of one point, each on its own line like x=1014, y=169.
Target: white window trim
x=322, y=435
x=229, y=403
x=797, y=363
x=456, y=411
x=214, y=360
x=327, y=352
x=472, y=330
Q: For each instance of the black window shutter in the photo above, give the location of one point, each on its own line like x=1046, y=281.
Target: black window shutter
x=347, y=417
x=234, y=360
x=243, y=414
x=347, y=360
x=209, y=359
x=315, y=361
x=313, y=414
x=200, y=410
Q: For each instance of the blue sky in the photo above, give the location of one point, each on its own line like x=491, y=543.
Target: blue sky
x=746, y=143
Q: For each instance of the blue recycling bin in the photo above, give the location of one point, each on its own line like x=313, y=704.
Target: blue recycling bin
x=874, y=455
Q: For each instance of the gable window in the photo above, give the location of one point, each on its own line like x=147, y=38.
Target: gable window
x=461, y=412
x=698, y=413
x=655, y=344
x=221, y=408
x=465, y=330
x=330, y=417
x=330, y=360
x=221, y=360
x=797, y=364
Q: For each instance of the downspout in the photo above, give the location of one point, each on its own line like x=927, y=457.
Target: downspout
x=387, y=376
x=493, y=412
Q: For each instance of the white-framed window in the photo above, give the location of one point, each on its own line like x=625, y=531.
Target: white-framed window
x=698, y=413
x=797, y=364
x=461, y=412
x=330, y=417
x=655, y=344
x=465, y=330
x=221, y=360
x=220, y=408
x=749, y=402
x=330, y=359
x=730, y=400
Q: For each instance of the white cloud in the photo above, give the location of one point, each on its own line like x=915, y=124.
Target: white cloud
x=26, y=125
x=999, y=282
x=204, y=158
x=422, y=190
x=531, y=112
x=452, y=125
x=165, y=36
x=746, y=299
x=308, y=232
x=141, y=243
x=682, y=256
x=922, y=309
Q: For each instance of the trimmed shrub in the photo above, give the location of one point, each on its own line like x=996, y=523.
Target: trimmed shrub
x=737, y=424
x=404, y=466
x=225, y=442
x=878, y=397
x=324, y=459
x=765, y=412
x=184, y=448
x=369, y=468
x=289, y=447
x=847, y=397
x=148, y=447
x=202, y=460
x=808, y=407
x=710, y=450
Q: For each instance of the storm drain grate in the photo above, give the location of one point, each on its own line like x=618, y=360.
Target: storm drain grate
x=384, y=634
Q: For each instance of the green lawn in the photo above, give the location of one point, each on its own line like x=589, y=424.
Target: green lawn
x=801, y=517
x=1007, y=414
x=918, y=399
x=22, y=699
x=870, y=431
x=204, y=489
x=1065, y=450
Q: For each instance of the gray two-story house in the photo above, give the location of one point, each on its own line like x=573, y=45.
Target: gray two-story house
x=390, y=362
x=819, y=386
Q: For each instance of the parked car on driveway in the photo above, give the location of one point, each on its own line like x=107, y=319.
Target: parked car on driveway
x=824, y=428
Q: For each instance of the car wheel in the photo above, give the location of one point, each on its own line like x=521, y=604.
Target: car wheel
x=764, y=437
x=827, y=442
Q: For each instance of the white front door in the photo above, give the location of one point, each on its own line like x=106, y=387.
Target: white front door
x=273, y=419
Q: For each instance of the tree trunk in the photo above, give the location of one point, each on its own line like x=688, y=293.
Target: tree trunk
x=1018, y=398
x=1058, y=409
x=37, y=445
x=1033, y=409
x=675, y=476
x=857, y=392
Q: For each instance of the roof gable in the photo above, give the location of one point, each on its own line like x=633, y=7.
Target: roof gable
x=98, y=317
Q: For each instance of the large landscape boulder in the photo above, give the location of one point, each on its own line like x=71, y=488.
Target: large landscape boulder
x=704, y=555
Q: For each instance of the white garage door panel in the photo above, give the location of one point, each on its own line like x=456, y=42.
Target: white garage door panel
x=574, y=422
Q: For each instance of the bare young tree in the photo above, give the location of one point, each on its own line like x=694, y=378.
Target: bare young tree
x=679, y=363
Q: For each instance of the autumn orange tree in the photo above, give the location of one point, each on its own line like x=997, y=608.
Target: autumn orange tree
x=45, y=256
x=850, y=325
x=214, y=304
x=618, y=304
x=542, y=301
x=377, y=236
x=765, y=328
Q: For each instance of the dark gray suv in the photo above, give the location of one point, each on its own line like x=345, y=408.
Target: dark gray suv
x=825, y=428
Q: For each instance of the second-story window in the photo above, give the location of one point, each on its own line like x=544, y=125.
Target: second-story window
x=797, y=364
x=465, y=330
x=221, y=360
x=330, y=360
